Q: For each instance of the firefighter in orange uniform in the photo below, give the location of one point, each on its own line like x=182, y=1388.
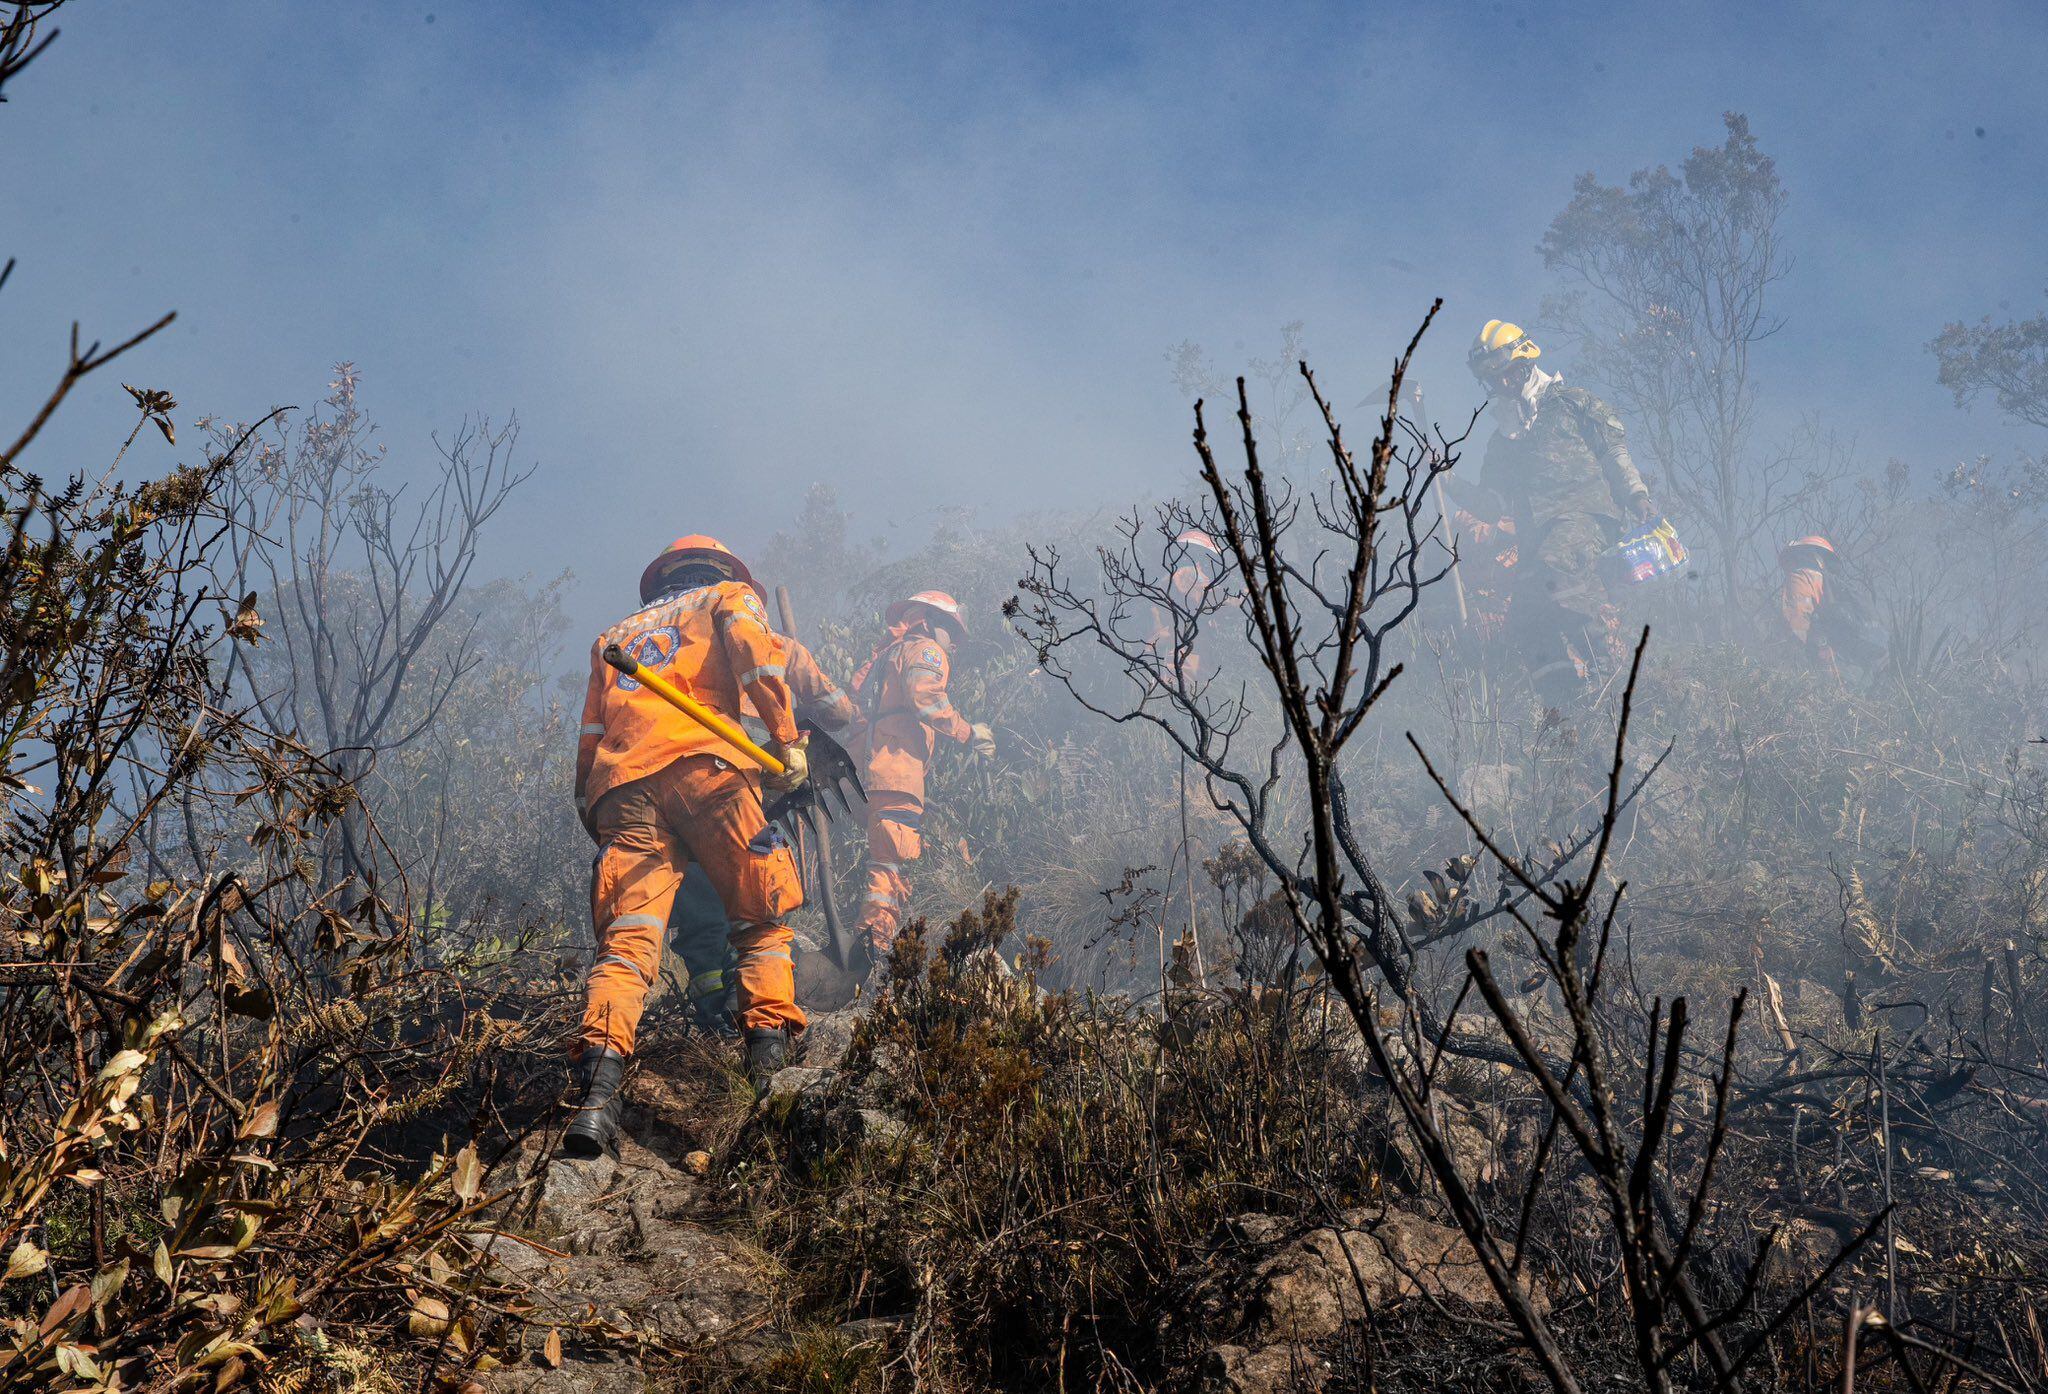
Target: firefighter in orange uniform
x=658, y=791
x=1197, y=561
x=1804, y=563
x=1824, y=613
x=902, y=691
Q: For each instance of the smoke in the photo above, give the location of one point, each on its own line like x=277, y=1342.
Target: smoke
x=937, y=254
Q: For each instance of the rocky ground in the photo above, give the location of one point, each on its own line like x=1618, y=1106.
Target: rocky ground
x=642, y=1258
x=644, y=1276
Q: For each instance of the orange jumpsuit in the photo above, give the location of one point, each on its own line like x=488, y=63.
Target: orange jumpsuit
x=1799, y=599
x=902, y=691
x=660, y=791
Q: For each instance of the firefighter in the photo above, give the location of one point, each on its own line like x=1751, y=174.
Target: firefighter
x=1558, y=464
x=902, y=692
x=1821, y=614
x=697, y=924
x=1197, y=562
x=658, y=791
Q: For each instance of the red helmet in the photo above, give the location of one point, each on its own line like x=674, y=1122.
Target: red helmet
x=683, y=551
x=943, y=609
x=1789, y=553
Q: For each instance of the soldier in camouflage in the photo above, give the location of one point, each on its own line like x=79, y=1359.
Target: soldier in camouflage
x=1558, y=471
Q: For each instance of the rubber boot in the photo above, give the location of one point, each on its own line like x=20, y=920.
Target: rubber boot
x=595, y=1128
x=767, y=1052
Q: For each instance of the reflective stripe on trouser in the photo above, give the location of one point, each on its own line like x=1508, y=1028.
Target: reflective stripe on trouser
x=697, y=808
x=895, y=840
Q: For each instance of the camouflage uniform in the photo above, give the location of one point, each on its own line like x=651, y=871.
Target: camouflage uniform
x=1568, y=482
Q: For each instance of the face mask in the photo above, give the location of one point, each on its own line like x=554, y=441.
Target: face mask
x=1516, y=408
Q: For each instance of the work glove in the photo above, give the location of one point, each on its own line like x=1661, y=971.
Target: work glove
x=796, y=766
x=982, y=740
x=1646, y=510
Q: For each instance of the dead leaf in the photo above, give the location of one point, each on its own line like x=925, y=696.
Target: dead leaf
x=25, y=1262
x=428, y=1318
x=74, y=1303
x=469, y=1174
x=261, y=1122
x=552, y=1350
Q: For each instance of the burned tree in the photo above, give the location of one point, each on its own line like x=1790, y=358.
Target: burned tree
x=367, y=639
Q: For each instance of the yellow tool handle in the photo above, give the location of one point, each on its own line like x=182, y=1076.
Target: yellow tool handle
x=689, y=706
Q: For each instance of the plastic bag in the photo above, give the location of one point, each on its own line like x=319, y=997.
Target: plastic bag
x=1648, y=552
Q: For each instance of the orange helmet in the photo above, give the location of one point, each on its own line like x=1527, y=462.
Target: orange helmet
x=1791, y=550
x=1195, y=537
x=683, y=551
x=943, y=608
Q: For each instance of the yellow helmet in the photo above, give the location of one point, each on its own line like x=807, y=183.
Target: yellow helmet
x=1498, y=345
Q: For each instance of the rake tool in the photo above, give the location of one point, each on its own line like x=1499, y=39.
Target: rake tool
x=832, y=769
x=839, y=939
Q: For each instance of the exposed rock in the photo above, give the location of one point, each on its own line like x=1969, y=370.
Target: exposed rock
x=869, y=1127
x=1280, y=1369
x=1469, y=1133
x=828, y=1038
x=793, y=1080
x=872, y=1330
x=622, y=1250
x=1272, y=1283
x=574, y=1377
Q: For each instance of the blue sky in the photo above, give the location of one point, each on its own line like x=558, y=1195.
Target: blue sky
x=937, y=254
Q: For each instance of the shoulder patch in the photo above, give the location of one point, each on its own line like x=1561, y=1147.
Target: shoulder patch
x=743, y=595
x=930, y=654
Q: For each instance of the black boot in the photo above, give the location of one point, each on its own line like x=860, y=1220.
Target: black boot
x=767, y=1052
x=595, y=1128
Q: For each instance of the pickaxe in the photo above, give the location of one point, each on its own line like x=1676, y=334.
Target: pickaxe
x=831, y=767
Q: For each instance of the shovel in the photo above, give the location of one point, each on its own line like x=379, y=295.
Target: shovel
x=832, y=769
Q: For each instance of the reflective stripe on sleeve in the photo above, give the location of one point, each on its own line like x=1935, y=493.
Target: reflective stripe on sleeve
x=766, y=670
x=592, y=728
